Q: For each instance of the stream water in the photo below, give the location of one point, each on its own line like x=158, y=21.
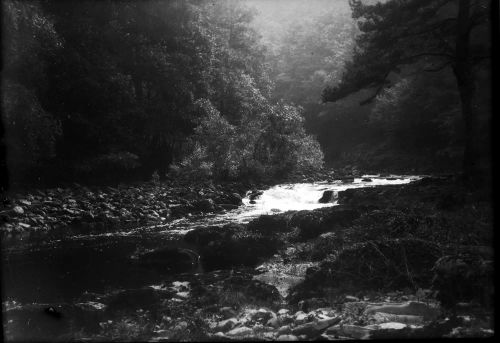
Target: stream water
x=63, y=270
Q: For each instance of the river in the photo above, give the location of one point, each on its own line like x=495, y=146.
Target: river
x=64, y=270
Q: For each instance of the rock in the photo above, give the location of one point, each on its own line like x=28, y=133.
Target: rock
x=312, y=304
x=283, y=311
x=285, y=329
x=205, y=205
x=262, y=315
x=227, y=312
x=240, y=248
x=18, y=210
x=227, y=324
x=381, y=317
x=228, y=207
x=235, y=199
x=353, y=331
x=349, y=298
x=287, y=338
x=412, y=308
x=255, y=194
x=387, y=326
x=240, y=332
x=273, y=322
x=269, y=224
x=301, y=317
x=327, y=197
x=314, y=329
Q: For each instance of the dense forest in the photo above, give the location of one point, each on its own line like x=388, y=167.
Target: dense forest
x=241, y=89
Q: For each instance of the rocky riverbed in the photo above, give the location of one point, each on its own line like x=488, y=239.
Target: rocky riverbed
x=402, y=261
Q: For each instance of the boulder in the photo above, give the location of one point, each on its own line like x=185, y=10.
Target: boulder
x=269, y=224
x=204, y=205
x=238, y=249
x=411, y=308
x=287, y=338
x=240, y=332
x=226, y=325
x=327, y=197
x=315, y=328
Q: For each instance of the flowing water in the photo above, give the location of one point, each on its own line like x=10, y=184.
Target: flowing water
x=64, y=270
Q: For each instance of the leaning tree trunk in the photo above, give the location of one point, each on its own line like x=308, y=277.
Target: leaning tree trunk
x=467, y=90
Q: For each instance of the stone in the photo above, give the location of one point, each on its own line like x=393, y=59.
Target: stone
x=326, y=197
x=18, y=210
x=315, y=328
x=349, y=298
x=381, y=317
x=227, y=312
x=240, y=332
x=355, y=331
x=283, y=311
x=226, y=325
x=285, y=329
x=287, y=338
x=273, y=322
x=413, y=308
x=301, y=317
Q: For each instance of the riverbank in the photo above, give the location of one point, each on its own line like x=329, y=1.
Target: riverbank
x=390, y=261
x=87, y=209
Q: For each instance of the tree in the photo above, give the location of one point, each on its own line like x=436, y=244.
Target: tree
x=429, y=35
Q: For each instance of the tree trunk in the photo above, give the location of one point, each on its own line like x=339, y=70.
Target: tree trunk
x=467, y=90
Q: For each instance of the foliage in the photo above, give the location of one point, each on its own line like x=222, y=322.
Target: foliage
x=156, y=80
x=425, y=36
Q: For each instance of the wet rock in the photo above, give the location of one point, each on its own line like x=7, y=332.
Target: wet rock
x=301, y=317
x=203, y=236
x=269, y=224
x=412, y=308
x=283, y=311
x=366, y=179
x=312, y=304
x=240, y=332
x=381, y=317
x=284, y=330
x=255, y=194
x=314, y=329
x=287, y=338
x=18, y=210
x=327, y=197
x=352, y=331
x=226, y=325
x=239, y=249
x=235, y=199
x=313, y=223
x=227, y=312
x=273, y=322
x=205, y=205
